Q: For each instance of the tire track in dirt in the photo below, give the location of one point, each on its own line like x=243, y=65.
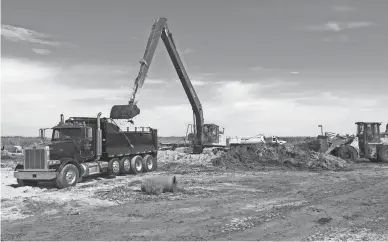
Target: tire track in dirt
x=300, y=222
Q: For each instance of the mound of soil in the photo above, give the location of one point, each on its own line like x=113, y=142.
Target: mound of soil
x=297, y=156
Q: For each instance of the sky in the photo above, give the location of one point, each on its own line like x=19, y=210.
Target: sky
x=273, y=67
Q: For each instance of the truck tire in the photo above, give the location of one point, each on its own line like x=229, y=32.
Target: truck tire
x=148, y=163
x=383, y=153
x=347, y=152
x=136, y=164
x=114, y=167
x=155, y=160
x=125, y=165
x=22, y=183
x=68, y=176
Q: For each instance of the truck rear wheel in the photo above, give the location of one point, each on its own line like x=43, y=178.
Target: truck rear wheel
x=68, y=176
x=148, y=163
x=383, y=153
x=114, y=167
x=125, y=165
x=136, y=164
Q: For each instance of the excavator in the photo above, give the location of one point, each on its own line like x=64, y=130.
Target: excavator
x=205, y=136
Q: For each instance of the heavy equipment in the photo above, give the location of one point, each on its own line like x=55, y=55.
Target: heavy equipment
x=371, y=144
x=368, y=143
x=241, y=141
x=276, y=140
x=88, y=146
x=209, y=136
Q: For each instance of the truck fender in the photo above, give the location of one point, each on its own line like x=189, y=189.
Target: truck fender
x=65, y=161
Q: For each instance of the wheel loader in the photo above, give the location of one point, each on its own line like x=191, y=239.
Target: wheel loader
x=368, y=143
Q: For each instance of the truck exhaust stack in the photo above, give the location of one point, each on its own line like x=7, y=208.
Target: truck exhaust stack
x=124, y=111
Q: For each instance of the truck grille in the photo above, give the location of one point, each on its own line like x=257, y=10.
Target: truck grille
x=36, y=158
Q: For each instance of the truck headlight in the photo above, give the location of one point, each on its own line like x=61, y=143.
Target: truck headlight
x=54, y=162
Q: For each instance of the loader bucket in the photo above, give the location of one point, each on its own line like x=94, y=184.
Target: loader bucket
x=124, y=111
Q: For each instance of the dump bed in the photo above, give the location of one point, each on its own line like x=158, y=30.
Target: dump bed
x=118, y=143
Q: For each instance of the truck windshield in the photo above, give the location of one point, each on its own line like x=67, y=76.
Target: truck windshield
x=67, y=133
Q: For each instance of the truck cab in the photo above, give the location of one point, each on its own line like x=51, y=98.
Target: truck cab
x=67, y=137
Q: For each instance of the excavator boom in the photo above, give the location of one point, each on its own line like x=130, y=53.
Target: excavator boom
x=160, y=30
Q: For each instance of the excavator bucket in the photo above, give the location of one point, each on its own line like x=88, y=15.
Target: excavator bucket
x=124, y=111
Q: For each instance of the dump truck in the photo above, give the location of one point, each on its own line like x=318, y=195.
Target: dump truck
x=88, y=146
x=205, y=136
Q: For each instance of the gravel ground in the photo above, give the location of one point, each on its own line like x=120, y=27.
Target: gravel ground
x=212, y=203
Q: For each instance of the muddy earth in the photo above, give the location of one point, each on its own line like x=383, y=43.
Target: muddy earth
x=211, y=203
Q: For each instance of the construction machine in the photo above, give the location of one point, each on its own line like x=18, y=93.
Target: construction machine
x=205, y=135
x=371, y=144
x=82, y=147
x=368, y=143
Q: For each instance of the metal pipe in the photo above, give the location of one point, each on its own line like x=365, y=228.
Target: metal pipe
x=62, y=119
x=159, y=184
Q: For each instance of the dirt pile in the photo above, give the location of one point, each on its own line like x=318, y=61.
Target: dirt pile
x=297, y=156
x=180, y=163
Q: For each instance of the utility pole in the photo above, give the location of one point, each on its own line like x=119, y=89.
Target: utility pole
x=320, y=126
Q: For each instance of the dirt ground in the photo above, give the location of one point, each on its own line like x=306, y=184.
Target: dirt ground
x=271, y=203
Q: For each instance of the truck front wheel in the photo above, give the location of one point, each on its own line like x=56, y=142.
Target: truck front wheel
x=68, y=176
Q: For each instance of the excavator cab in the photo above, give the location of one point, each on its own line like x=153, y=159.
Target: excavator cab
x=211, y=133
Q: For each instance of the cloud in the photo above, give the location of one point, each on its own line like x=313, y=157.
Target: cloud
x=19, y=34
x=333, y=26
x=154, y=81
x=261, y=69
x=17, y=71
x=344, y=38
x=198, y=83
x=352, y=105
x=195, y=81
x=242, y=108
x=188, y=51
x=294, y=72
x=343, y=9
x=42, y=51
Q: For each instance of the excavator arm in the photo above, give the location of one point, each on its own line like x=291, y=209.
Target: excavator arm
x=160, y=30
